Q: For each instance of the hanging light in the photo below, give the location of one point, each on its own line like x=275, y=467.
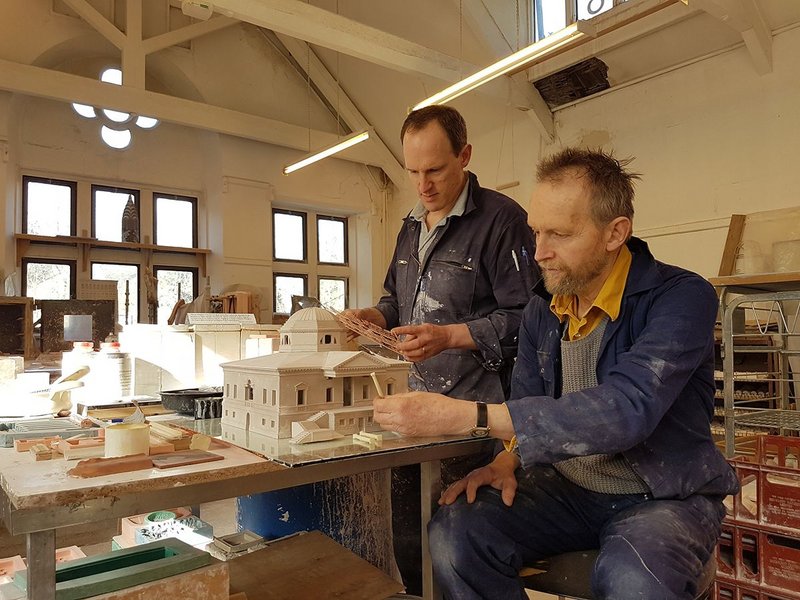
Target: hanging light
x=511, y=63
x=351, y=140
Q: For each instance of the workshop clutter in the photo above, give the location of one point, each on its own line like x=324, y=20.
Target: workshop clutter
x=758, y=555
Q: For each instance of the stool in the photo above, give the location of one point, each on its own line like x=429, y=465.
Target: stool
x=569, y=575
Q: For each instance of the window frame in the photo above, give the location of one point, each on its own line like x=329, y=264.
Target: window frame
x=295, y=213
x=570, y=11
x=346, y=241
x=95, y=187
x=275, y=275
x=343, y=278
x=73, y=273
x=138, y=266
x=191, y=199
x=73, y=185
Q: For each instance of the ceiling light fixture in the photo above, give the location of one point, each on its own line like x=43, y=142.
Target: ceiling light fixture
x=512, y=62
x=351, y=140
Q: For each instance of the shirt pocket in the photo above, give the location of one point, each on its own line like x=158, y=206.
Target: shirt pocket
x=450, y=285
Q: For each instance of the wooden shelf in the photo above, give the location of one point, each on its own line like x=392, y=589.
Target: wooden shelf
x=24, y=240
x=766, y=282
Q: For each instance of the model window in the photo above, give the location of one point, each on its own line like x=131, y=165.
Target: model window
x=248, y=390
x=45, y=279
x=115, y=214
x=274, y=397
x=263, y=396
x=301, y=397
x=127, y=278
x=365, y=391
x=328, y=394
x=234, y=394
x=389, y=389
x=48, y=206
x=175, y=220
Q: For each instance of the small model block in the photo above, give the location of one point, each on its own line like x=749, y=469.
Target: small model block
x=23, y=445
x=238, y=542
x=41, y=452
x=74, y=449
x=179, y=438
x=68, y=553
x=372, y=440
x=9, y=566
x=180, y=459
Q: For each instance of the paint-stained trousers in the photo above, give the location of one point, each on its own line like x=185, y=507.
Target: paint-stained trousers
x=650, y=549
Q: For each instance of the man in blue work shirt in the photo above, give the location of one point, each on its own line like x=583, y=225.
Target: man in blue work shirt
x=609, y=444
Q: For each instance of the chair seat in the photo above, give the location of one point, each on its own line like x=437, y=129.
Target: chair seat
x=570, y=575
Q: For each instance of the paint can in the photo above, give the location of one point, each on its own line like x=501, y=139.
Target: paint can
x=124, y=439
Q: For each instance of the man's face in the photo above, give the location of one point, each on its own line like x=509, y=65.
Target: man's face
x=571, y=249
x=434, y=168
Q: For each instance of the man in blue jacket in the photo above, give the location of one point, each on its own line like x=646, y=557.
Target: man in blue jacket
x=609, y=444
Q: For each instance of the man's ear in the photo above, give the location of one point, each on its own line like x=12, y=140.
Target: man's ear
x=465, y=155
x=617, y=233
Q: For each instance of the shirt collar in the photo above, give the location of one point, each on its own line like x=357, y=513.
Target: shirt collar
x=608, y=300
x=419, y=212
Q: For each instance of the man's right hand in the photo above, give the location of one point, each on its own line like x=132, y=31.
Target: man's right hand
x=372, y=314
x=499, y=474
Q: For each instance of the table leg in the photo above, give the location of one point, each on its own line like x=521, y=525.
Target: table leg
x=430, y=490
x=42, y=565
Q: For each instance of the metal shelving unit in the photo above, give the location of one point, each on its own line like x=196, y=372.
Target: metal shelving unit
x=755, y=323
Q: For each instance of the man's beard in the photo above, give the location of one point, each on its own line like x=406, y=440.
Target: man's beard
x=570, y=282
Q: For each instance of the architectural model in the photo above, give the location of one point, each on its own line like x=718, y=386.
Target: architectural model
x=313, y=389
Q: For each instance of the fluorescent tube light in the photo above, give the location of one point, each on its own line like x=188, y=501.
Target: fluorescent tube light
x=351, y=140
x=511, y=63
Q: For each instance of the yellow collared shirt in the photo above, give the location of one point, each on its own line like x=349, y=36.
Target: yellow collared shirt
x=608, y=301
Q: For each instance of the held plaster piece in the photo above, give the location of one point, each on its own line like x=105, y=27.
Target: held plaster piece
x=313, y=389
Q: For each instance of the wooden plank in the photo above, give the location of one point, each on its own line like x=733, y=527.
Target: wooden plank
x=769, y=282
x=735, y=229
x=94, y=467
x=309, y=565
x=181, y=459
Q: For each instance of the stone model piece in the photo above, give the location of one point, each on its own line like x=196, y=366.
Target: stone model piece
x=313, y=389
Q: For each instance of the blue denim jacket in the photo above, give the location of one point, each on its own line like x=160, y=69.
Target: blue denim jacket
x=478, y=271
x=655, y=397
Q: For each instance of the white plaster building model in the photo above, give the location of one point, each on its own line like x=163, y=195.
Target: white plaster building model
x=313, y=389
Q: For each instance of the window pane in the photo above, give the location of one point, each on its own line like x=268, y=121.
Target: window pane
x=289, y=232
x=591, y=8
x=175, y=222
x=49, y=208
x=47, y=281
x=122, y=274
x=109, y=224
x=285, y=287
x=168, y=282
x=332, y=240
x=333, y=293
x=551, y=16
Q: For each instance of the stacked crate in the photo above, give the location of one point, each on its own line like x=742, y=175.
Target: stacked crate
x=758, y=557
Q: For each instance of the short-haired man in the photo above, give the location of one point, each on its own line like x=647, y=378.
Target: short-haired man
x=611, y=400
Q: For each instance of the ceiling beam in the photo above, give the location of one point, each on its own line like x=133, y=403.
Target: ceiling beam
x=615, y=28
x=93, y=17
x=184, y=34
x=745, y=17
x=317, y=26
x=65, y=87
x=330, y=89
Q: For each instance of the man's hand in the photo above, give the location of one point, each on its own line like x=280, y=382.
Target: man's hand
x=421, y=342
x=372, y=314
x=499, y=474
x=418, y=414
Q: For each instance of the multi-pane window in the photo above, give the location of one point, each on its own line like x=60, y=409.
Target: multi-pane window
x=48, y=206
x=289, y=235
x=175, y=220
x=46, y=279
x=285, y=287
x=553, y=15
x=174, y=284
x=127, y=278
x=115, y=214
x=300, y=237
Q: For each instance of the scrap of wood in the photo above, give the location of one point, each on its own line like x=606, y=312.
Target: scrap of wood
x=159, y=446
x=368, y=439
x=41, y=452
x=94, y=467
x=200, y=442
x=735, y=230
x=377, y=383
x=180, y=459
x=21, y=445
x=180, y=438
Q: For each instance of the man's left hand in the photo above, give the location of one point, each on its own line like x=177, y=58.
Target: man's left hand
x=421, y=342
x=418, y=414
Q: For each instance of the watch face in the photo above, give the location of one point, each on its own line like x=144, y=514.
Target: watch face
x=479, y=432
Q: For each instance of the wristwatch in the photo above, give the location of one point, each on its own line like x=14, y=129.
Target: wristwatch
x=481, y=429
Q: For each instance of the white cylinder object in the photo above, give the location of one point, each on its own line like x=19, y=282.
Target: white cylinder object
x=124, y=439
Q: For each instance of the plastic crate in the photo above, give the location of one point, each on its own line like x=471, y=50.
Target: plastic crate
x=770, y=482
x=780, y=561
x=731, y=590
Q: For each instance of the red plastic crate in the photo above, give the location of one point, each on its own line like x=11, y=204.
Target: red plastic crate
x=731, y=590
x=780, y=561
